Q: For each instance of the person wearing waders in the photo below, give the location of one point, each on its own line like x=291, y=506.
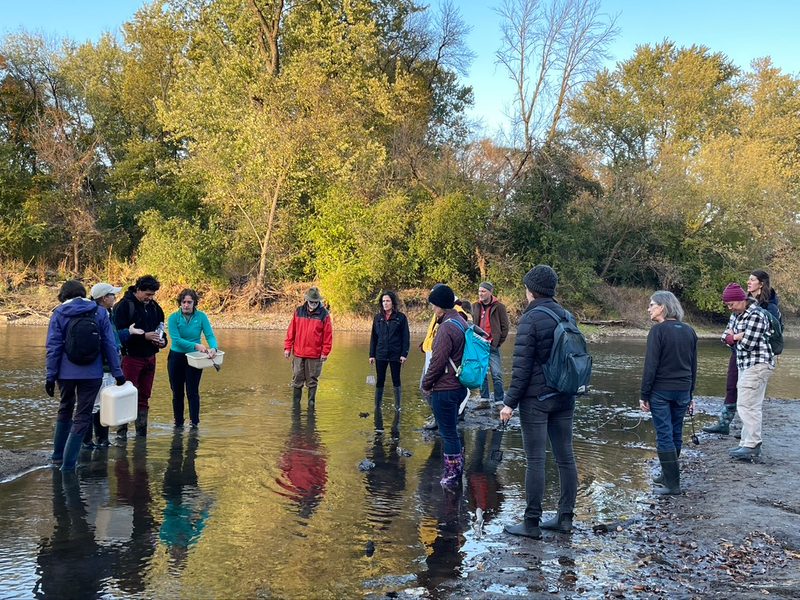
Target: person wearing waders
x=388, y=348
x=138, y=308
x=79, y=338
x=308, y=343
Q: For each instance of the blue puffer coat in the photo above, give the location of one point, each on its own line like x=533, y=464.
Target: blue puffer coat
x=58, y=365
x=531, y=350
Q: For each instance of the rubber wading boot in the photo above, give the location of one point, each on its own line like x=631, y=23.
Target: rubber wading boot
x=378, y=397
x=122, y=433
x=671, y=472
x=745, y=453
x=398, y=397
x=100, y=431
x=141, y=423
x=453, y=467
x=312, y=396
x=71, y=450
x=59, y=440
x=297, y=394
x=659, y=479
x=723, y=426
x=528, y=528
x=378, y=418
x=562, y=523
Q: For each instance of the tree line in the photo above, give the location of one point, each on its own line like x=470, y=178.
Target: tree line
x=247, y=144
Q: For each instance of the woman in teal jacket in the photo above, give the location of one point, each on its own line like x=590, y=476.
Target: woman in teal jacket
x=186, y=325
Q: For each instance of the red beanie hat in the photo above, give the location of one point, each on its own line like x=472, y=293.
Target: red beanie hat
x=733, y=293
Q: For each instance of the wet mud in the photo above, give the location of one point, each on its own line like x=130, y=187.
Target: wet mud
x=733, y=533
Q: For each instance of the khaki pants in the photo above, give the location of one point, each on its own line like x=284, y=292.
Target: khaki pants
x=751, y=389
x=306, y=371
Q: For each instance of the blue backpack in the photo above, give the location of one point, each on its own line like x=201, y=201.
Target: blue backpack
x=475, y=362
x=569, y=367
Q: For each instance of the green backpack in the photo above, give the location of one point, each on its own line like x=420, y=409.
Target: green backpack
x=775, y=335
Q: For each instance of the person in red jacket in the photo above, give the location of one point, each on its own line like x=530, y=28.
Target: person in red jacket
x=308, y=342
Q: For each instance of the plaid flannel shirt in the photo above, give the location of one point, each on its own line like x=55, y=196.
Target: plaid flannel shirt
x=754, y=347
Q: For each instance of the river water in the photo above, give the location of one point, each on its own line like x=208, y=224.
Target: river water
x=267, y=500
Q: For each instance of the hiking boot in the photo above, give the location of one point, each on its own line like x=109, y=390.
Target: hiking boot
x=430, y=423
x=745, y=453
x=723, y=426
x=670, y=470
x=528, y=528
x=562, y=523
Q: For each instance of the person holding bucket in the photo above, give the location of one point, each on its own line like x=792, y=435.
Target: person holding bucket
x=186, y=327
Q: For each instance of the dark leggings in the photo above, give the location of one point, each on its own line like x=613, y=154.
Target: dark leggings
x=380, y=369
x=182, y=375
x=732, y=380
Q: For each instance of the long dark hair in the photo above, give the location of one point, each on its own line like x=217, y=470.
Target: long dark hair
x=192, y=294
x=765, y=293
x=393, y=296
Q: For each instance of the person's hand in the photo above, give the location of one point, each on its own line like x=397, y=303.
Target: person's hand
x=133, y=330
x=50, y=388
x=287, y=353
x=690, y=410
x=200, y=348
x=212, y=352
x=152, y=336
x=505, y=413
x=403, y=359
x=371, y=360
x=323, y=358
x=120, y=380
x=730, y=340
x=644, y=405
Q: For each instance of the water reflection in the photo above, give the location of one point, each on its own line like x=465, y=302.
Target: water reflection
x=386, y=481
x=186, y=506
x=304, y=464
x=483, y=487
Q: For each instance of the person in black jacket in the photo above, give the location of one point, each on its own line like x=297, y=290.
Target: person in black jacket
x=388, y=346
x=139, y=309
x=670, y=372
x=543, y=412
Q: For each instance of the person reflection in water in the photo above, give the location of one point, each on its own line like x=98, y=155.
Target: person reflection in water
x=386, y=481
x=484, y=491
x=70, y=564
x=304, y=464
x=133, y=489
x=444, y=520
x=186, y=506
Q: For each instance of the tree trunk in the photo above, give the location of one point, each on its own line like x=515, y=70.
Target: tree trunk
x=262, y=261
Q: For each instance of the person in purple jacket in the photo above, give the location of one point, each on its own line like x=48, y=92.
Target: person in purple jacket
x=78, y=382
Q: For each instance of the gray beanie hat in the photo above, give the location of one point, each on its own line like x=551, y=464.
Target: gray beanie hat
x=487, y=286
x=541, y=279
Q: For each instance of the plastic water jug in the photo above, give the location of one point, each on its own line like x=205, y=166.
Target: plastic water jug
x=118, y=404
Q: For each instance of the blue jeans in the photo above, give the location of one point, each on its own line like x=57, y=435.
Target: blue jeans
x=496, y=371
x=445, y=409
x=668, y=409
x=542, y=419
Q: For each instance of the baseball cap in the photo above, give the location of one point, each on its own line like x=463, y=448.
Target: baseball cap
x=103, y=289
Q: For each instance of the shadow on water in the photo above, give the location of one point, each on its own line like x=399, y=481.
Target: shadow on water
x=268, y=500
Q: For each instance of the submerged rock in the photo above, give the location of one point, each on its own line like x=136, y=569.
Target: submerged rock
x=366, y=465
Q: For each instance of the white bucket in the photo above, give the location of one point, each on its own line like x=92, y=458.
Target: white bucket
x=118, y=404
x=201, y=360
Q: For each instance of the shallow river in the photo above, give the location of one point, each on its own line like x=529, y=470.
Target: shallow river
x=267, y=500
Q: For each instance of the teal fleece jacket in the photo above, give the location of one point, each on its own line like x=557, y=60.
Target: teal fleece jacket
x=185, y=334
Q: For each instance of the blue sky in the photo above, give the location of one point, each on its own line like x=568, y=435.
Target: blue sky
x=742, y=29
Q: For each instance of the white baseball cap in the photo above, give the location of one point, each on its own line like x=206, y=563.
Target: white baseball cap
x=103, y=289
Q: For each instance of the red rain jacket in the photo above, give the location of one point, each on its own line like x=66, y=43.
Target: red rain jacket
x=310, y=334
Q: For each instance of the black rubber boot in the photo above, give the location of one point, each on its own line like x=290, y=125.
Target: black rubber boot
x=59, y=441
x=562, y=523
x=398, y=397
x=671, y=473
x=378, y=397
x=100, y=431
x=745, y=453
x=378, y=418
x=87, y=438
x=723, y=426
x=297, y=394
x=71, y=451
x=122, y=433
x=312, y=396
x=659, y=479
x=528, y=528
x=141, y=423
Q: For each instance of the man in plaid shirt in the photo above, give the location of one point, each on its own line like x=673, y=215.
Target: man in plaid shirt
x=749, y=330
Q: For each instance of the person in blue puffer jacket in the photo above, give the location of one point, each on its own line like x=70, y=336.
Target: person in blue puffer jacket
x=78, y=384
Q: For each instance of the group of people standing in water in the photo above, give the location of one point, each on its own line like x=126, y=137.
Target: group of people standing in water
x=131, y=337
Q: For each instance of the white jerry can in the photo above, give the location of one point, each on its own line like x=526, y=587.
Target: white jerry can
x=118, y=404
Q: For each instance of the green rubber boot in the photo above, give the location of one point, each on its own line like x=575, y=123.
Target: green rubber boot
x=723, y=426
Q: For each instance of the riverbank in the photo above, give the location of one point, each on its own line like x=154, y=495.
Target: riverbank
x=734, y=533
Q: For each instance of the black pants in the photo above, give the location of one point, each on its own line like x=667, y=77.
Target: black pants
x=84, y=391
x=380, y=369
x=181, y=376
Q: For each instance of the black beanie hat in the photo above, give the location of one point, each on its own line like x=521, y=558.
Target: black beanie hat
x=542, y=280
x=442, y=296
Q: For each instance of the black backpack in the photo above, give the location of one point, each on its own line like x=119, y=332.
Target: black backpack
x=569, y=366
x=775, y=335
x=82, y=338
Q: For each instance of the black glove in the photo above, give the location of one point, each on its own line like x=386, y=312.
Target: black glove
x=120, y=380
x=50, y=388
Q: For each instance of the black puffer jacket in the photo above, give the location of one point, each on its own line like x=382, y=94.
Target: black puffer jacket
x=390, y=339
x=531, y=350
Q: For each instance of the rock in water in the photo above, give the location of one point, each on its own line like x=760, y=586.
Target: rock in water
x=366, y=465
